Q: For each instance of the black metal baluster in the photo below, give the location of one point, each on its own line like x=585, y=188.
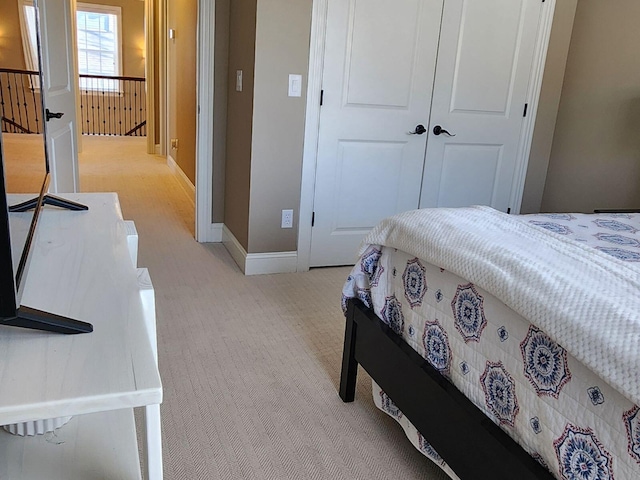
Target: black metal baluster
x=34, y=78
x=13, y=117
x=2, y=102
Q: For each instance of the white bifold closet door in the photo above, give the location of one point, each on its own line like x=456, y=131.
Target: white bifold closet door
x=394, y=66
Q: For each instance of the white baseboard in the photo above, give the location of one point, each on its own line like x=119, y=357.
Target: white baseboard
x=212, y=234
x=184, y=181
x=258, y=263
x=157, y=149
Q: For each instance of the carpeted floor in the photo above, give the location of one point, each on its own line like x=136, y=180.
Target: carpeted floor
x=250, y=365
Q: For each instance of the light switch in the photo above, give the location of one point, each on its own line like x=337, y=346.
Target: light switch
x=295, y=85
x=238, y=80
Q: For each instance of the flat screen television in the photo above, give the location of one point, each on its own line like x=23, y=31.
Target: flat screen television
x=12, y=281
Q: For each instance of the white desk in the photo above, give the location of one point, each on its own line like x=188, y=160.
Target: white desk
x=81, y=268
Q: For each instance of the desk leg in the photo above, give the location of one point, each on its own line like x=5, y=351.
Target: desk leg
x=153, y=442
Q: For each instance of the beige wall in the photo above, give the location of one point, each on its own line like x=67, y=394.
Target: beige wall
x=595, y=159
x=11, y=52
x=182, y=16
x=242, y=46
x=282, y=47
x=548, y=105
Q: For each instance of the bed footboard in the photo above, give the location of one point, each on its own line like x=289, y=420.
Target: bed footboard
x=471, y=444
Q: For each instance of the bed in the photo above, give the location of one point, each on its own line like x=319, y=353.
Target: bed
x=505, y=346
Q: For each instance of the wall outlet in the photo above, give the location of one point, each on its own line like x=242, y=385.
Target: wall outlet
x=174, y=143
x=287, y=219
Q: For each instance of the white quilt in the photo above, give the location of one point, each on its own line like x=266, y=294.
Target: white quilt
x=583, y=298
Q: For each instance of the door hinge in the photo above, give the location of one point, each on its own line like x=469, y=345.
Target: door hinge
x=526, y=106
x=313, y=219
x=321, y=97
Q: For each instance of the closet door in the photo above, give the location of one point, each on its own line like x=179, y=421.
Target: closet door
x=484, y=66
x=379, y=68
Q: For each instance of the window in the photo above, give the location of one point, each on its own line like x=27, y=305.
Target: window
x=98, y=45
x=98, y=41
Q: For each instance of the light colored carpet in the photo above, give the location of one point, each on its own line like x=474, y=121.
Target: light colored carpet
x=250, y=365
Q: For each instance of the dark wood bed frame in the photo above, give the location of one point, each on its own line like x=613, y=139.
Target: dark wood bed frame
x=471, y=444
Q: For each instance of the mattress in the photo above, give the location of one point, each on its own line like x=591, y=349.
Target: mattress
x=564, y=414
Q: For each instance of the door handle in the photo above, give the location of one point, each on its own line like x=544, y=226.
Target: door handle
x=49, y=115
x=419, y=130
x=437, y=130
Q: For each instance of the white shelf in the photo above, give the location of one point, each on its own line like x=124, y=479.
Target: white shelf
x=82, y=267
x=97, y=446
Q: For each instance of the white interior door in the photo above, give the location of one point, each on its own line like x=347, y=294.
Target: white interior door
x=57, y=33
x=484, y=66
x=378, y=75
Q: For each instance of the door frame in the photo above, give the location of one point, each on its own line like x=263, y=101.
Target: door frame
x=206, y=230
x=312, y=119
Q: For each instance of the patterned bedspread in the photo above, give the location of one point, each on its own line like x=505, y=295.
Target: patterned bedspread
x=560, y=411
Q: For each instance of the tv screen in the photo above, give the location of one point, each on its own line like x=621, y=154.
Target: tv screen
x=12, y=280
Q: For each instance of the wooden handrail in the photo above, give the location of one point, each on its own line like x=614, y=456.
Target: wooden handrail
x=14, y=70
x=111, y=77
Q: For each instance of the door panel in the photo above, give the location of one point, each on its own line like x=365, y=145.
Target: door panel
x=379, y=67
x=468, y=174
x=485, y=72
x=57, y=30
x=374, y=79
x=484, y=64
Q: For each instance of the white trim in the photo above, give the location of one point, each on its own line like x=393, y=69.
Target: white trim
x=311, y=131
x=258, y=263
x=312, y=120
x=149, y=74
x=157, y=149
x=237, y=251
x=182, y=178
x=535, y=87
x=163, y=115
x=204, y=127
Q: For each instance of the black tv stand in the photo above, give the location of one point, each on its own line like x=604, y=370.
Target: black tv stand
x=48, y=200
x=27, y=317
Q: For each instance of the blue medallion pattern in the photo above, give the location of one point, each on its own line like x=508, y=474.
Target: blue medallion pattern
x=364, y=295
x=426, y=448
x=545, y=363
x=390, y=407
x=369, y=264
x=535, y=425
x=436, y=347
x=343, y=303
x=503, y=334
x=392, y=314
x=581, y=456
x=553, y=227
x=412, y=331
x=632, y=424
x=415, y=282
x=615, y=225
x=468, y=313
x=500, y=393
x=621, y=254
x=439, y=295
x=558, y=216
x=464, y=368
x=595, y=395
x=618, y=239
